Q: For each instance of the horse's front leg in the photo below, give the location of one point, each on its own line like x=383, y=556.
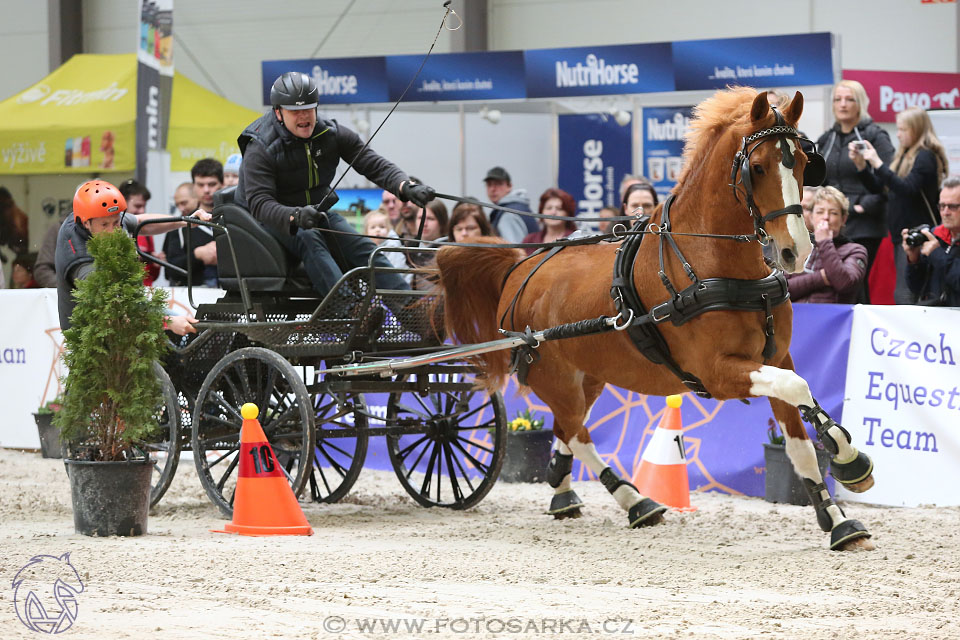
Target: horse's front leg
x=851, y=468
x=786, y=391
x=846, y=534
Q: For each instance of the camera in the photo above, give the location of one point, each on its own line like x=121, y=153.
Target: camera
x=915, y=236
x=860, y=146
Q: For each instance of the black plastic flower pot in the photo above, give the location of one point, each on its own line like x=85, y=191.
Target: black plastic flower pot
x=49, y=436
x=110, y=498
x=526, y=455
x=781, y=482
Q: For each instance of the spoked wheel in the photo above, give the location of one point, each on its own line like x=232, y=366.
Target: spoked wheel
x=449, y=442
x=163, y=445
x=260, y=376
x=340, y=448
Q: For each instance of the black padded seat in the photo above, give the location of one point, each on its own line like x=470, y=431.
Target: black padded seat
x=264, y=264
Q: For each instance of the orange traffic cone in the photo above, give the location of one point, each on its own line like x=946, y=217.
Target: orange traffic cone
x=264, y=504
x=662, y=474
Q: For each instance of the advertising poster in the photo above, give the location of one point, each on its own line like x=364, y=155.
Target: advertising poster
x=902, y=403
x=154, y=80
x=595, y=154
x=664, y=129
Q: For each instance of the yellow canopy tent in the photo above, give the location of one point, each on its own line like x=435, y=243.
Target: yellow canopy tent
x=81, y=119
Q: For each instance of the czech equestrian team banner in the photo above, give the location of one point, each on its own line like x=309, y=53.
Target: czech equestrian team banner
x=766, y=61
x=664, y=129
x=595, y=154
x=154, y=79
x=902, y=403
x=891, y=92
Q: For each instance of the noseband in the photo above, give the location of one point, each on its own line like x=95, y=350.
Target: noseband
x=740, y=179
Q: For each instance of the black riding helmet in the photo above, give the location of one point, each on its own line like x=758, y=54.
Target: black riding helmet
x=294, y=91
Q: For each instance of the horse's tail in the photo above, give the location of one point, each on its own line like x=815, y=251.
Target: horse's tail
x=472, y=280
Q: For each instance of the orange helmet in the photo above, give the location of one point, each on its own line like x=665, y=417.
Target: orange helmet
x=97, y=199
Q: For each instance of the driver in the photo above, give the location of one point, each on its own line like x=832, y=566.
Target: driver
x=289, y=160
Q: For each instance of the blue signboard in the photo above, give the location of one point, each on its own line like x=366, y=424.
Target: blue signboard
x=768, y=61
x=590, y=71
x=595, y=154
x=493, y=75
x=664, y=129
x=340, y=80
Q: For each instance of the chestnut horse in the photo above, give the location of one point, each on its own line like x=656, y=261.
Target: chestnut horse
x=482, y=287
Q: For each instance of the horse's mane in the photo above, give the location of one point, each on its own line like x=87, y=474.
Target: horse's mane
x=711, y=119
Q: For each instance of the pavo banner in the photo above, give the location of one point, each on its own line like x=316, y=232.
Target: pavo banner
x=154, y=78
x=595, y=153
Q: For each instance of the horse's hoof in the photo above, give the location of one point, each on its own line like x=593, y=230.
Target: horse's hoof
x=850, y=535
x=646, y=513
x=854, y=475
x=860, y=487
x=565, y=505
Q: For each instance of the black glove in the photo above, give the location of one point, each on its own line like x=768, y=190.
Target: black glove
x=419, y=194
x=307, y=217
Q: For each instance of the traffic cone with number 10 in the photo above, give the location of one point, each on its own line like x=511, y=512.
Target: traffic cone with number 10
x=264, y=504
x=662, y=475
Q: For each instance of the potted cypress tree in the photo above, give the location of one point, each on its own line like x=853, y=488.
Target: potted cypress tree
x=111, y=392
x=48, y=432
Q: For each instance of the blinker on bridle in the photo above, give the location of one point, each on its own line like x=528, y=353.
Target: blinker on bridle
x=813, y=173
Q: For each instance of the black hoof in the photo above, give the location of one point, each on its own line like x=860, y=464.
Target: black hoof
x=854, y=475
x=845, y=532
x=565, y=505
x=645, y=513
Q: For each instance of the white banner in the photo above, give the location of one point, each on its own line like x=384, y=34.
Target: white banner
x=30, y=348
x=902, y=403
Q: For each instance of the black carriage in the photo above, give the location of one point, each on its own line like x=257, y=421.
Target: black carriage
x=272, y=341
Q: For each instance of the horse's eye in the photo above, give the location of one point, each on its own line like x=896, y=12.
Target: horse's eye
x=758, y=169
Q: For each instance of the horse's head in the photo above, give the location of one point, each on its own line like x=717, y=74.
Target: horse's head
x=768, y=172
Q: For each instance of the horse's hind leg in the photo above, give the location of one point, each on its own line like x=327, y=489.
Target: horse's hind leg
x=570, y=411
x=845, y=534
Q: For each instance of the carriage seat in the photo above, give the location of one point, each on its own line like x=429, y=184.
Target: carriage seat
x=264, y=264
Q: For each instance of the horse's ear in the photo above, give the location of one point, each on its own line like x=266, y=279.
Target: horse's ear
x=794, y=109
x=760, y=108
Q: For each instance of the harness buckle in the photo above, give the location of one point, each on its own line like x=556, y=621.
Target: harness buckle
x=658, y=319
x=619, y=231
x=626, y=323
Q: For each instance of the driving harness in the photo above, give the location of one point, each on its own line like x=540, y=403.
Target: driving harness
x=710, y=294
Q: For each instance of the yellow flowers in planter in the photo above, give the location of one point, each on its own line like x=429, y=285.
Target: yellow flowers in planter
x=526, y=420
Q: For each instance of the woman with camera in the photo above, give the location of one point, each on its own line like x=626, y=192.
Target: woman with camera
x=911, y=181
x=836, y=268
x=866, y=223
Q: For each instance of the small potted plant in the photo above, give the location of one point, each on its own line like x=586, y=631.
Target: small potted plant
x=111, y=392
x=527, y=452
x=49, y=434
x=781, y=482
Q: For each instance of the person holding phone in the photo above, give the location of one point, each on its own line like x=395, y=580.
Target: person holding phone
x=866, y=223
x=911, y=183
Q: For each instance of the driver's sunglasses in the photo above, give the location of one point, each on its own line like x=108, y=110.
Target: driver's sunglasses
x=953, y=207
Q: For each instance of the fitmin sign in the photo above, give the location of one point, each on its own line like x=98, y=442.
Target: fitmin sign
x=891, y=92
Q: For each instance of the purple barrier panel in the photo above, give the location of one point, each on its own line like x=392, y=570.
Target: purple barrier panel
x=724, y=439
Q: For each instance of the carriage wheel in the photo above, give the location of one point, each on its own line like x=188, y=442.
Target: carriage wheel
x=163, y=445
x=454, y=457
x=341, y=446
x=260, y=376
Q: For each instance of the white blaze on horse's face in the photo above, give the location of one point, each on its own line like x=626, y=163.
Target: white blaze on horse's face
x=790, y=189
